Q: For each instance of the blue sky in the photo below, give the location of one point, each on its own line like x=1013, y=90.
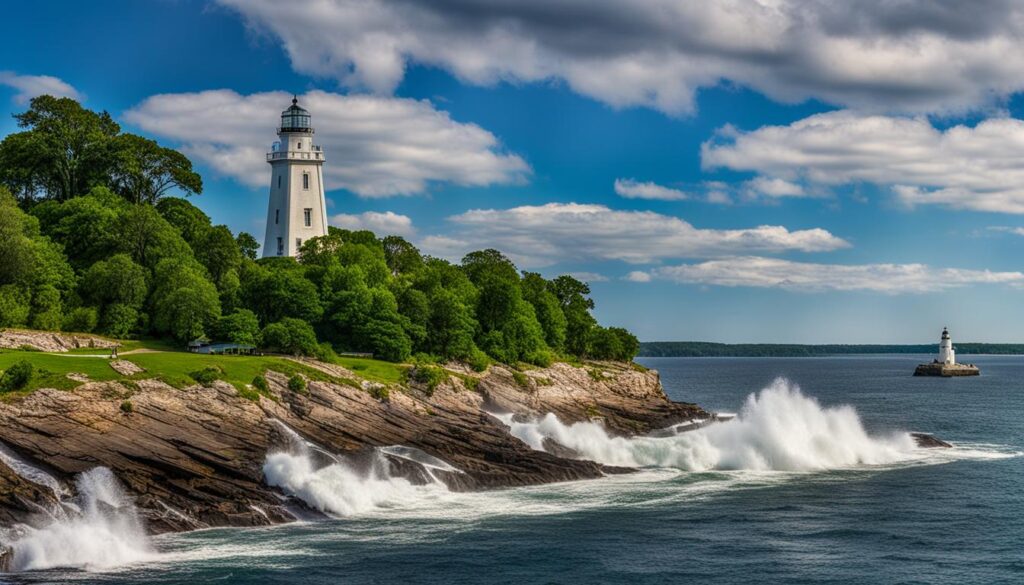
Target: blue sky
x=846, y=180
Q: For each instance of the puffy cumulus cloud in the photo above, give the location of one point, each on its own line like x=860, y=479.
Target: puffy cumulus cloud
x=30, y=86
x=979, y=168
x=383, y=224
x=911, y=55
x=633, y=189
x=545, y=234
x=638, y=276
x=754, y=271
x=773, y=188
x=375, y=146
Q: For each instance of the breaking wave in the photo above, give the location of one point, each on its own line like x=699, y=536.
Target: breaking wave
x=778, y=429
x=97, y=530
x=337, y=486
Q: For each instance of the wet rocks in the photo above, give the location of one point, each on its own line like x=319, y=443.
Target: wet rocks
x=927, y=441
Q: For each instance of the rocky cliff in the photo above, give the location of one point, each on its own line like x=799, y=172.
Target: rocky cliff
x=194, y=457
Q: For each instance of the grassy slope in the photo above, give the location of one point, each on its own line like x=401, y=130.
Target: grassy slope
x=174, y=367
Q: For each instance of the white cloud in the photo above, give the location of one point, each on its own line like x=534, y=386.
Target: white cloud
x=638, y=276
x=1017, y=231
x=911, y=55
x=632, y=189
x=589, y=276
x=763, y=186
x=383, y=224
x=30, y=86
x=979, y=168
x=754, y=271
x=375, y=146
x=546, y=234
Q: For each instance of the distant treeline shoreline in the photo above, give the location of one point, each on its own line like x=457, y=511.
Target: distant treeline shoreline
x=707, y=349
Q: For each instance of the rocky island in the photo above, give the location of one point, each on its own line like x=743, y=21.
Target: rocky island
x=945, y=365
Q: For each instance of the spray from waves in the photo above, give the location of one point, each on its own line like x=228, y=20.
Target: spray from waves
x=332, y=484
x=98, y=530
x=778, y=429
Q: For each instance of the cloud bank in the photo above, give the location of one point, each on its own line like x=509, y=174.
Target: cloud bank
x=760, y=272
x=633, y=189
x=979, y=168
x=375, y=146
x=908, y=56
x=382, y=224
x=545, y=234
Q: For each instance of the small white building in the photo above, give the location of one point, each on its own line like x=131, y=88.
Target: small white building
x=946, y=354
x=297, y=210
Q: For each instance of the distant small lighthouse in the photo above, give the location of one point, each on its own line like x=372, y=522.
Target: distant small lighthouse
x=946, y=365
x=946, y=354
x=297, y=210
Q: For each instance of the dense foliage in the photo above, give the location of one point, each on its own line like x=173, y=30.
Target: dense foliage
x=92, y=242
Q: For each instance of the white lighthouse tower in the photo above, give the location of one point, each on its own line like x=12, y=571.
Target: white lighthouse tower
x=297, y=211
x=946, y=355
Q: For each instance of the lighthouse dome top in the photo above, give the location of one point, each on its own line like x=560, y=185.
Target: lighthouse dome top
x=295, y=118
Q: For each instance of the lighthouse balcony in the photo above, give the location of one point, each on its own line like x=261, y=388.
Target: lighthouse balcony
x=315, y=155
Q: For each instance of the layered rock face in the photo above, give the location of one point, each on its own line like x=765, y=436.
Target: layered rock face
x=51, y=341
x=194, y=457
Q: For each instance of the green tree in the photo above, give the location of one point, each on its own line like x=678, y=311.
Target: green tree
x=537, y=292
x=184, y=303
x=291, y=336
x=247, y=245
x=147, y=237
x=242, y=326
x=279, y=289
x=573, y=296
x=119, y=287
x=219, y=252
x=64, y=151
x=401, y=256
x=143, y=171
x=86, y=227
x=190, y=221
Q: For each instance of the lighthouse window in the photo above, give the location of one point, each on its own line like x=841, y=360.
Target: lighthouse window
x=308, y=215
x=298, y=243
x=277, y=216
x=280, y=246
x=279, y=181
x=300, y=145
x=305, y=180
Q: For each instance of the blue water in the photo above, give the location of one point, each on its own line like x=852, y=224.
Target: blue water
x=956, y=521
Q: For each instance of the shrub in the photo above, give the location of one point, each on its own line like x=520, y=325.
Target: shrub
x=260, y=383
x=127, y=407
x=293, y=336
x=478, y=360
x=249, y=394
x=297, y=383
x=380, y=392
x=432, y=376
x=82, y=320
x=325, y=353
x=17, y=376
x=242, y=326
x=207, y=376
x=521, y=380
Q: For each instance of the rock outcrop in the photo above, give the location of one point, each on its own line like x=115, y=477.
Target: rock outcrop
x=51, y=341
x=194, y=457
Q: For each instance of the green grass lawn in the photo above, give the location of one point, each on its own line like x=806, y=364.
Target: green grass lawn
x=374, y=370
x=174, y=368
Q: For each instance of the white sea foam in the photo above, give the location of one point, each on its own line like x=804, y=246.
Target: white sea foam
x=101, y=531
x=30, y=472
x=778, y=429
x=339, y=487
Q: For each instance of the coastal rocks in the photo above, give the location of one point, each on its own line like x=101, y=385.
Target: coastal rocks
x=947, y=370
x=50, y=341
x=926, y=441
x=628, y=400
x=126, y=368
x=194, y=457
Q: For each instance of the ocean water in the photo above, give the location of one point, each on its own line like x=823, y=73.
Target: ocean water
x=797, y=489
